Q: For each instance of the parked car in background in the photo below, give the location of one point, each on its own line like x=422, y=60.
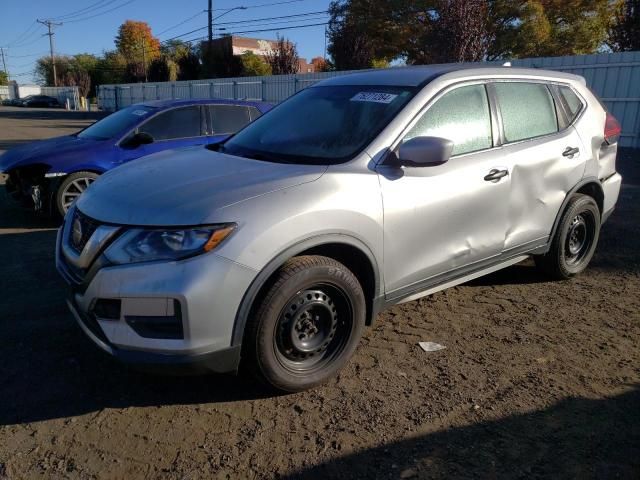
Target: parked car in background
x=277, y=246
x=39, y=101
x=50, y=175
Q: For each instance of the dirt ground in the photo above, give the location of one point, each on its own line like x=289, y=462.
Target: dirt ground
x=539, y=379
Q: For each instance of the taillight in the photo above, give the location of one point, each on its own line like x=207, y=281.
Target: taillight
x=612, y=129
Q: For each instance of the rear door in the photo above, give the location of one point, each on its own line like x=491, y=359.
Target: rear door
x=544, y=154
x=225, y=120
x=178, y=127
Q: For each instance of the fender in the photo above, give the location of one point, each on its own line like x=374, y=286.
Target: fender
x=556, y=222
x=317, y=241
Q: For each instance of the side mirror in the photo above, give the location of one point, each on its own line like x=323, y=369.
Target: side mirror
x=425, y=151
x=140, y=138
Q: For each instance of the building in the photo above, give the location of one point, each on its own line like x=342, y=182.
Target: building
x=229, y=45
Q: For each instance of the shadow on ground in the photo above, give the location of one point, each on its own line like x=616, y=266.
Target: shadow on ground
x=576, y=438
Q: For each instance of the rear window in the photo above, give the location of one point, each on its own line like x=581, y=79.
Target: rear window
x=572, y=103
x=527, y=110
x=227, y=119
x=177, y=123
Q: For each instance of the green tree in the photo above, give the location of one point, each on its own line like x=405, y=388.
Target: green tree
x=625, y=30
x=4, y=78
x=253, y=65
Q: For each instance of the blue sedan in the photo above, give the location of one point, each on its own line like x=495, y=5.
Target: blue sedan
x=51, y=174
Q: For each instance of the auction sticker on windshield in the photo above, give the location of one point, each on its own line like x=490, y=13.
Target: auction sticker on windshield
x=376, y=97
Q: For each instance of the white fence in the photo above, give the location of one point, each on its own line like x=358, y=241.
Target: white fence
x=4, y=92
x=614, y=77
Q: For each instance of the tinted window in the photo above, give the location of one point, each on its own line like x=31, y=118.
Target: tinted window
x=572, y=102
x=228, y=118
x=461, y=115
x=254, y=112
x=181, y=122
x=323, y=125
x=527, y=110
x=117, y=123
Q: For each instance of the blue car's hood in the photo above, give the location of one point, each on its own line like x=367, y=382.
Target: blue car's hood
x=45, y=151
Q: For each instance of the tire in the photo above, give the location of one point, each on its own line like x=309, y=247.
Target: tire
x=71, y=188
x=575, y=240
x=306, y=326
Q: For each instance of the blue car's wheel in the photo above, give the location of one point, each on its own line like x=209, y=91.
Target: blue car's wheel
x=71, y=188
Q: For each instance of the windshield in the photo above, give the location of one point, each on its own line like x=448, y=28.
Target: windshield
x=323, y=125
x=116, y=123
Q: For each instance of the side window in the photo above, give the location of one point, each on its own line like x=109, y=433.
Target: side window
x=462, y=116
x=527, y=110
x=181, y=122
x=254, y=112
x=572, y=103
x=228, y=118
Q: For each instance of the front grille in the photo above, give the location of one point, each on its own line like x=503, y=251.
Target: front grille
x=86, y=225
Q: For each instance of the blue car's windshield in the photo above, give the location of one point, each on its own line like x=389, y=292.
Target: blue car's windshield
x=322, y=125
x=116, y=123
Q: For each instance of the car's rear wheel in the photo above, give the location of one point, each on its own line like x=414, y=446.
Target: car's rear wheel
x=575, y=239
x=307, y=325
x=71, y=188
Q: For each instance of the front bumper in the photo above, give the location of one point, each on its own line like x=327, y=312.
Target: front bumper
x=208, y=290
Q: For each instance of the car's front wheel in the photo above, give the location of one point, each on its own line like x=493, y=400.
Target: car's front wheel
x=307, y=325
x=575, y=240
x=71, y=188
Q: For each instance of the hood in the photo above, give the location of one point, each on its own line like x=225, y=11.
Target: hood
x=44, y=151
x=186, y=187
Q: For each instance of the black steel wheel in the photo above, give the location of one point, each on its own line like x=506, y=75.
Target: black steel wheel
x=575, y=240
x=307, y=325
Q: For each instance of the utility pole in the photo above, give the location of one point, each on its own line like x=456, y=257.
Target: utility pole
x=144, y=60
x=210, y=14
x=4, y=65
x=49, y=24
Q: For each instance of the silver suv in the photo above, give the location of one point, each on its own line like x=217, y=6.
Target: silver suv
x=277, y=247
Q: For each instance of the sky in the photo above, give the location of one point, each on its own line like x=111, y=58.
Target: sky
x=90, y=26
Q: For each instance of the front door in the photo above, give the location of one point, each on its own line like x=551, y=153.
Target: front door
x=438, y=219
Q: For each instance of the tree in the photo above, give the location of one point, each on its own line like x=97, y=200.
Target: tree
x=254, y=65
x=189, y=66
x=4, y=78
x=452, y=31
x=535, y=28
x=625, y=31
x=138, y=46
x=159, y=70
x=284, y=58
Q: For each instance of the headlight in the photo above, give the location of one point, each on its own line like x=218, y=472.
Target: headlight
x=145, y=245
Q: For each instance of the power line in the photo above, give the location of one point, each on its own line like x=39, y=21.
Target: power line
x=102, y=13
x=86, y=10
x=182, y=23
x=262, y=30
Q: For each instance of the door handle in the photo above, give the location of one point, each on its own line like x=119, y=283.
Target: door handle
x=570, y=151
x=496, y=174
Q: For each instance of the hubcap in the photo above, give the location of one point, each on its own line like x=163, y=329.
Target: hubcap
x=76, y=188
x=312, y=328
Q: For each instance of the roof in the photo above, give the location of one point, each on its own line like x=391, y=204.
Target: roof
x=262, y=106
x=415, y=76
